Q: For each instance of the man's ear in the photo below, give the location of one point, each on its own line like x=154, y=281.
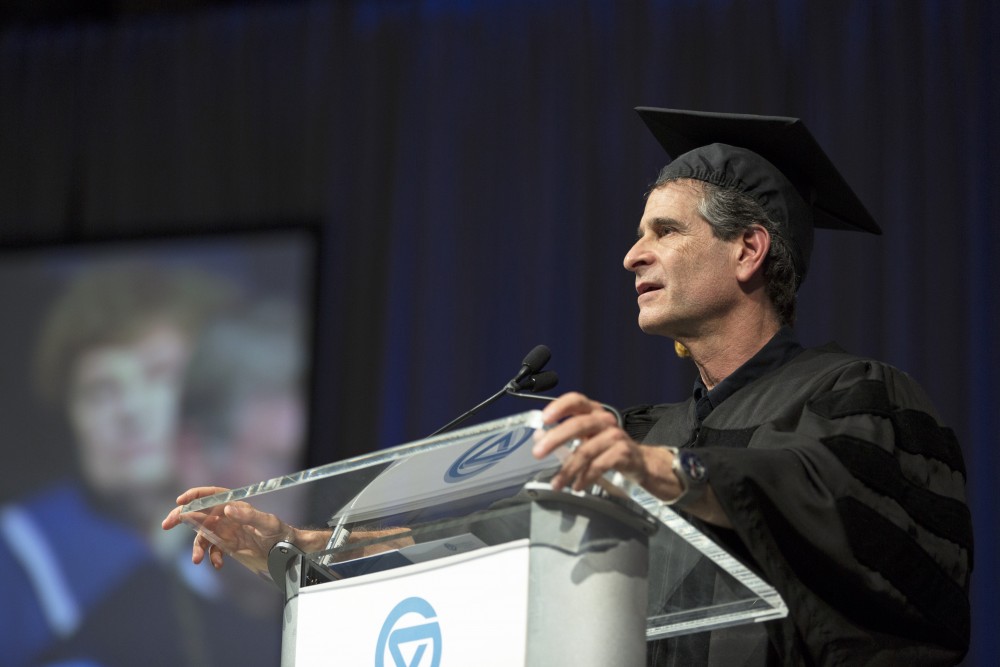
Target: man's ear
x=752, y=245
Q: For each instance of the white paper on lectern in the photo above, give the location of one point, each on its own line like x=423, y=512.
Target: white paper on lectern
x=473, y=465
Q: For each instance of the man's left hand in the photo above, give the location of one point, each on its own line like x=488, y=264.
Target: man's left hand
x=603, y=445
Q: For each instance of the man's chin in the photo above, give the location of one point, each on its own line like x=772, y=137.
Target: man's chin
x=656, y=327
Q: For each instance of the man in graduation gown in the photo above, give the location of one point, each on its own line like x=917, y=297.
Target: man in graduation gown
x=829, y=474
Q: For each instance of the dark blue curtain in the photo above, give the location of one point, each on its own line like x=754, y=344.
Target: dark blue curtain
x=477, y=173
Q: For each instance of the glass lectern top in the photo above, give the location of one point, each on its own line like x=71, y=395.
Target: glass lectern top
x=439, y=477
x=426, y=499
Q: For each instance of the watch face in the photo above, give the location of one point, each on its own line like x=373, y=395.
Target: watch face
x=692, y=466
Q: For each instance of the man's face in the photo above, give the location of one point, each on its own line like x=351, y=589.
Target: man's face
x=123, y=408
x=684, y=275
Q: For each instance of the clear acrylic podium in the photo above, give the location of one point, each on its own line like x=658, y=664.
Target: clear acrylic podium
x=454, y=550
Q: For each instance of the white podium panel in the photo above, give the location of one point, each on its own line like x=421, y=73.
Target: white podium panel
x=468, y=609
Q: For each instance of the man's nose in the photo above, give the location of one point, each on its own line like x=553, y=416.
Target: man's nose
x=636, y=256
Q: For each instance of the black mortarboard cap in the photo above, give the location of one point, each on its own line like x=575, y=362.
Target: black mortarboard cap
x=773, y=159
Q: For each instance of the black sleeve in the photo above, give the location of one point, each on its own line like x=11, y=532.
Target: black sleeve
x=855, y=512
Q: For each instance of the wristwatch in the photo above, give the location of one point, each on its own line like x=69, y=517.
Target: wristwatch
x=691, y=474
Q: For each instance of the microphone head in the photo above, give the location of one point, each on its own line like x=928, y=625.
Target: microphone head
x=540, y=381
x=537, y=358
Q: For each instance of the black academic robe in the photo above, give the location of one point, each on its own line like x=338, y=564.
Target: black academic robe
x=848, y=496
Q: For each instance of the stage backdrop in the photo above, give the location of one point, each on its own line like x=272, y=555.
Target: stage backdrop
x=478, y=172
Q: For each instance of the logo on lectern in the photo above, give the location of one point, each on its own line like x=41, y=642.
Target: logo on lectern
x=410, y=636
x=486, y=453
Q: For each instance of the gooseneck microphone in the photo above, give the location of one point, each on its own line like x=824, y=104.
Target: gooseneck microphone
x=528, y=381
x=538, y=382
x=530, y=378
x=533, y=363
x=547, y=380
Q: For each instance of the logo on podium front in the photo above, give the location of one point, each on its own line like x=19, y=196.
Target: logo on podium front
x=486, y=453
x=410, y=636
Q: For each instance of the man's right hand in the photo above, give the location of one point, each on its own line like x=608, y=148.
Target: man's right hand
x=237, y=529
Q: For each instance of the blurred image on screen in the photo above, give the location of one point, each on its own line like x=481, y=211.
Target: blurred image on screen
x=132, y=370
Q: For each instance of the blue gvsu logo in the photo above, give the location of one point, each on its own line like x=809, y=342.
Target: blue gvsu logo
x=486, y=453
x=410, y=636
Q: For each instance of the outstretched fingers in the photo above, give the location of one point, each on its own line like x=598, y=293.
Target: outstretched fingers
x=173, y=518
x=203, y=546
x=209, y=520
x=199, y=492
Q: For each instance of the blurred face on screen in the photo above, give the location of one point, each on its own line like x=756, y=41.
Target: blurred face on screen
x=123, y=408
x=268, y=432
